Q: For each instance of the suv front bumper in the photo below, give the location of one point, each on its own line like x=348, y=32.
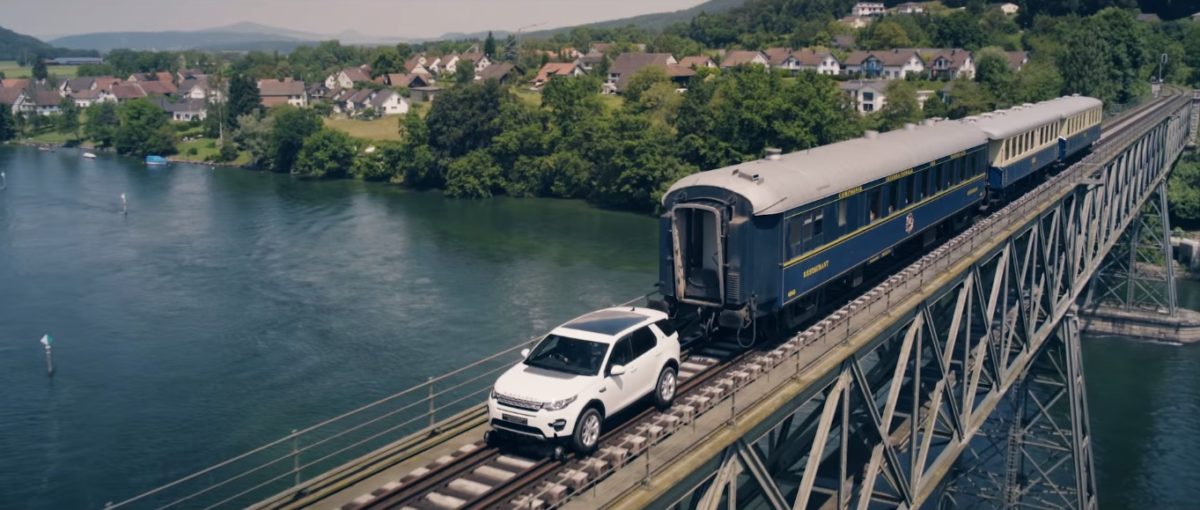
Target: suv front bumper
x=541, y=425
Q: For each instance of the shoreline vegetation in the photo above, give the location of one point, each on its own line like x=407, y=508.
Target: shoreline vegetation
x=571, y=139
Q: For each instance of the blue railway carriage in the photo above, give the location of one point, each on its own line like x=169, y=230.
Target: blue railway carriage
x=1025, y=139
x=760, y=238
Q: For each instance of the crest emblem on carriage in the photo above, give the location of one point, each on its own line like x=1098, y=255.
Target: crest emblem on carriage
x=909, y=223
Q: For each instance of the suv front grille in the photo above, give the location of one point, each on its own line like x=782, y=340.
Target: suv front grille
x=516, y=403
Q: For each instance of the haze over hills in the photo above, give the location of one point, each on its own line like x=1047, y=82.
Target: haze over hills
x=239, y=36
x=656, y=21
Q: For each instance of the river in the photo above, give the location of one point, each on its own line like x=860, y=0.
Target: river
x=229, y=307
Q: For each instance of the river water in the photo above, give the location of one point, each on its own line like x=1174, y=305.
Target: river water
x=229, y=307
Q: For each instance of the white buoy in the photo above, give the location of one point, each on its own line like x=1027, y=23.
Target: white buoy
x=49, y=356
x=124, y=205
x=3, y=180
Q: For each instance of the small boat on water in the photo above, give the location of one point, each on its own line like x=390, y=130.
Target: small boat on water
x=46, y=148
x=89, y=155
x=156, y=161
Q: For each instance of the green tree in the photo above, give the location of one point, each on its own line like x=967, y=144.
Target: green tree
x=965, y=98
x=1084, y=64
x=291, y=127
x=143, y=130
x=253, y=135
x=465, y=118
x=475, y=175
x=414, y=160
x=1183, y=192
x=489, y=45
x=901, y=108
x=326, y=154
x=243, y=99
x=68, y=117
x=464, y=74
x=886, y=34
x=642, y=81
x=993, y=73
x=102, y=122
x=39, y=72
x=8, y=127
x=1036, y=81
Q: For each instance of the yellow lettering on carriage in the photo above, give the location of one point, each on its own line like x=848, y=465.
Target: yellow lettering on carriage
x=850, y=192
x=816, y=269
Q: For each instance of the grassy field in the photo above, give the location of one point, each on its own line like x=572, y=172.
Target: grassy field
x=205, y=148
x=384, y=128
x=12, y=70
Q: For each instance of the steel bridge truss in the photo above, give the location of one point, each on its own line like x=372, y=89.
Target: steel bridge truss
x=1136, y=274
x=973, y=397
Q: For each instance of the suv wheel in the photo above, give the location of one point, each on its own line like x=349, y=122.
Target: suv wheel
x=664, y=391
x=587, y=431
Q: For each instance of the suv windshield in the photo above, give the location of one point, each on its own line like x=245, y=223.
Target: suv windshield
x=570, y=355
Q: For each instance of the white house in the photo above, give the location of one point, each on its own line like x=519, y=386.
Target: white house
x=86, y=98
x=346, y=78
x=953, y=63
x=1009, y=8
x=868, y=95
x=807, y=59
x=910, y=8
x=868, y=9
x=742, y=58
x=387, y=102
x=889, y=64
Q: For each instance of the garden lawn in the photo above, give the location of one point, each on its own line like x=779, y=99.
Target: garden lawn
x=385, y=128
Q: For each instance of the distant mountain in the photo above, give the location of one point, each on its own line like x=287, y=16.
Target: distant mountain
x=656, y=21
x=171, y=40
x=244, y=36
x=248, y=27
x=14, y=45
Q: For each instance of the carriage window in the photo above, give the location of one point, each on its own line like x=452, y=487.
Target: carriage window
x=842, y=205
x=874, y=204
x=910, y=190
x=893, y=196
x=794, y=246
x=919, y=183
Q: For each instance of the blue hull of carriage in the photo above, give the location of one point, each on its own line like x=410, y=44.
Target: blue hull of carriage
x=1005, y=176
x=1082, y=140
x=815, y=271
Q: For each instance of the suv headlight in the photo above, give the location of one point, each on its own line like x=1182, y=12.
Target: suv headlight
x=559, y=404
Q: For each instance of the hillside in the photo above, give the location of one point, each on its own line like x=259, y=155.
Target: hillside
x=14, y=45
x=656, y=21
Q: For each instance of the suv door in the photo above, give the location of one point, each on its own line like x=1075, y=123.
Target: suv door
x=616, y=389
x=646, y=360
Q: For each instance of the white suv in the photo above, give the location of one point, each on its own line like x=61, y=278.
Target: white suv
x=583, y=371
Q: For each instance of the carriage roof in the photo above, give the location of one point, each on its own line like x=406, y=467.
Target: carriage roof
x=774, y=186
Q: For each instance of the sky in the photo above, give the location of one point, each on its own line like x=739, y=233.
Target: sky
x=399, y=18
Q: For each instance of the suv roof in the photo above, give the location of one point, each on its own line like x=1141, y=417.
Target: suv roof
x=610, y=321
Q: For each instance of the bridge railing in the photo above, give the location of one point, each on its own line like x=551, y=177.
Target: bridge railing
x=284, y=469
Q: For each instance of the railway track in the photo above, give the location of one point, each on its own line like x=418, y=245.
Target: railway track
x=478, y=476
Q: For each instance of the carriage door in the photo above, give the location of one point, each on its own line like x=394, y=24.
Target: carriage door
x=698, y=249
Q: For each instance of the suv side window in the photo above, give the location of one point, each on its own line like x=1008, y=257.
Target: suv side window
x=620, y=354
x=666, y=327
x=643, y=340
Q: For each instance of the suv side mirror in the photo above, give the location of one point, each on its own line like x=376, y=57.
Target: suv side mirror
x=524, y=353
x=616, y=370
